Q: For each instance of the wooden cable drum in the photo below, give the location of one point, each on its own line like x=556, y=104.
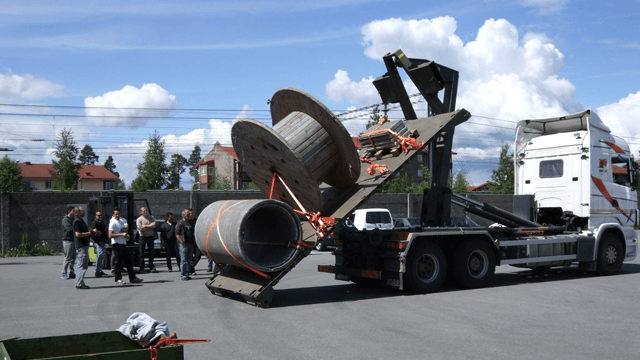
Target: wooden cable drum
x=307, y=146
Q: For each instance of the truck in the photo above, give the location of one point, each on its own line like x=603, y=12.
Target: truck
x=575, y=199
x=575, y=202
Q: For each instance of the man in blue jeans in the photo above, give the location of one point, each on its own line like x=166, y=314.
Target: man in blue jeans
x=82, y=234
x=185, y=233
x=100, y=240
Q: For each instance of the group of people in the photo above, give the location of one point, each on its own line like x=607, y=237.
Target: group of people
x=179, y=241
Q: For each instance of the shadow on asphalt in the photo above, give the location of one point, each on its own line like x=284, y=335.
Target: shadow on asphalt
x=93, y=287
x=12, y=263
x=329, y=294
x=352, y=292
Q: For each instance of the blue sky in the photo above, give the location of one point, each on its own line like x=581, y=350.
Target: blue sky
x=84, y=64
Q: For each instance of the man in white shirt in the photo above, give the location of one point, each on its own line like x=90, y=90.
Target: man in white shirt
x=118, y=233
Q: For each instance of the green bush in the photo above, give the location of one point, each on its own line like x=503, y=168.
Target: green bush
x=26, y=249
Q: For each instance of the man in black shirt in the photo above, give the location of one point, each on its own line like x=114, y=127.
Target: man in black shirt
x=82, y=234
x=185, y=234
x=100, y=240
x=68, y=245
x=168, y=236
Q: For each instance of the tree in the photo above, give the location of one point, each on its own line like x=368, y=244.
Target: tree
x=65, y=170
x=10, y=176
x=375, y=117
x=193, y=160
x=503, y=176
x=87, y=156
x=176, y=168
x=152, y=171
x=460, y=184
x=217, y=184
x=405, y=185
x=111, y=166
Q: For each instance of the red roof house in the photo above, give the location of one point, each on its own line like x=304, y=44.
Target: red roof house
x=91, y=177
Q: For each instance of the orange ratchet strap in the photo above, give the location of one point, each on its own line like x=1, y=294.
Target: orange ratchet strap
x=171, y=340
x=371, y=170
x=320, y=224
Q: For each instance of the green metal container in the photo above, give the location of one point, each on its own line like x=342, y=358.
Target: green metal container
x=110, y=345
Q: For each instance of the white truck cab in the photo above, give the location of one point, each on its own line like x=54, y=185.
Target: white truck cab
x=582, y=176
x=369, y=219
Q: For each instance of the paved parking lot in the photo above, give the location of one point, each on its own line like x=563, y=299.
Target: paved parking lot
x=560, y=314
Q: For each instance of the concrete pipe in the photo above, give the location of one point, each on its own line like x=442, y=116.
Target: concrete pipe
x=251, y=234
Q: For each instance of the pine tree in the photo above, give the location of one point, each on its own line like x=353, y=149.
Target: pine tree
x=87, y=156
x=65, y=170
x=10, y=177
x=152, y=171
x=503, y=176
x=193, y=160
x=111, y=166
x=460, y=184
x=176, y=168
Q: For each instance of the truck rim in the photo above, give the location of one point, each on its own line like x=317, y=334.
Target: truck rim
x=611, y=254
x=428, y=268
x=478, y=264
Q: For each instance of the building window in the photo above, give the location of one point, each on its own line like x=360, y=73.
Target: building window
x=47, y=185
x=419, y=158
x=31, y=185
x=203, y=171
x=211, y=171
x=109, y=185
x=420, y=173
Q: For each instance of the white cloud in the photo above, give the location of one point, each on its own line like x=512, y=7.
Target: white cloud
x=623, y=118
x=15, y=89
x=356, y=92
x=130, y=106
x=503, y=74
x=218, y=131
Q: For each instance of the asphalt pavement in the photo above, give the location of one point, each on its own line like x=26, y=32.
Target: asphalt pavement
x=559, y=314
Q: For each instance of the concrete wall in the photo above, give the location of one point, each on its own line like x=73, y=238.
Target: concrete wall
x=38, y=214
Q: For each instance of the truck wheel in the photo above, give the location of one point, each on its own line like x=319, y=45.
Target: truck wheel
x=426, y=268
x=610, y=255
x=474, y=264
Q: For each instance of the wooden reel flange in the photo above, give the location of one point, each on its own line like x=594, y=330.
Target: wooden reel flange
x=307, y=146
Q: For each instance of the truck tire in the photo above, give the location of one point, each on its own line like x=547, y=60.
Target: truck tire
x=426, y=268
x=610, y=255
x=474, y=264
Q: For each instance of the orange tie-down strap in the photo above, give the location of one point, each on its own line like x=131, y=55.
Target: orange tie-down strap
x=371, y=170
x=319, y=223
x=171, y=340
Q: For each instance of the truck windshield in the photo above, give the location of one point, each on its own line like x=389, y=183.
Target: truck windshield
x=378, y=217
